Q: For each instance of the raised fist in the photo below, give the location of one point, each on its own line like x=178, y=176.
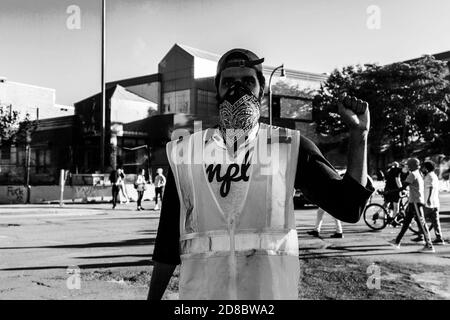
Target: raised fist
x=354, y=112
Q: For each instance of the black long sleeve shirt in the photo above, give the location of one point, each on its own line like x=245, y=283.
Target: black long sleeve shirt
x=342, y=197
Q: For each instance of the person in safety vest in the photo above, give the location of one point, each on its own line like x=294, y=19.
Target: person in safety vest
x=227, y=214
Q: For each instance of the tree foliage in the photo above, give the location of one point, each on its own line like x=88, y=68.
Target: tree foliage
x=13, y=127
x=409, y=102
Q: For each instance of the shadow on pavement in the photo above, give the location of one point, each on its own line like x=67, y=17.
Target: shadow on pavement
x=355, y=253
x=43, y=207
x=124, y=243
x=148, y=262
x=148, y=231
x=134, y=218
x=362, y=250
x=148, y=255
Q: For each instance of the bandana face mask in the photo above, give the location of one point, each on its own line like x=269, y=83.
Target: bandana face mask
x=239, y=112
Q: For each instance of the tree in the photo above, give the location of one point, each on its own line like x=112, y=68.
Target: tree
x=13, y=128
x=409, y=103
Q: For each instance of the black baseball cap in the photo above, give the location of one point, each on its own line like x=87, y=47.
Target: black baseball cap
x=240, y=58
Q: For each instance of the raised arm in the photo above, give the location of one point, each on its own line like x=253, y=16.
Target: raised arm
x=355, y=113
x=342, y=197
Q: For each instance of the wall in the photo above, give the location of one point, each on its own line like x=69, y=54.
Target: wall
x=124, y=111
x=13, y=194
x=44, y=194
x=149, y=91
x=27, y=98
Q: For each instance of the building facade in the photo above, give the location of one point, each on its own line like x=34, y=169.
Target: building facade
x=38, y=102
x=182, y=92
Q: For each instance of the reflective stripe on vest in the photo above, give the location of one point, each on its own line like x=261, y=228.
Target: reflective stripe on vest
x=283, y=242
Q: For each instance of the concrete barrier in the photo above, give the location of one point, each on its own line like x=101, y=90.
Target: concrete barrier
x=45, y=194
x=13, y=194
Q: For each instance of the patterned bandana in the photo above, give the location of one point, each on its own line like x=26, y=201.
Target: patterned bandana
x=239, y=112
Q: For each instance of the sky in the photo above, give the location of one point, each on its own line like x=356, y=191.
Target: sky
x=37, y=47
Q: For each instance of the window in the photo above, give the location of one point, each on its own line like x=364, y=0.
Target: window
x=290, y=108
x=42, y=160
x=264, y=111
x=5, y=151
x=177, y=101
x=206, y=102
x=296, y=109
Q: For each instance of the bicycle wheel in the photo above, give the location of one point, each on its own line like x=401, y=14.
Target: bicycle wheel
x=375, y=216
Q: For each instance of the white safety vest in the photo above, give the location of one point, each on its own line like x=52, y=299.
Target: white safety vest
x=253, y=255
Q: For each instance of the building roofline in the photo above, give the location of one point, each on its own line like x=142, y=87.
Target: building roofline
x=110, y=90
x=5, y=80
x=96, y=94
x=167, y=53
x=445, y=55
x=155, y=77
x=199, y=53
x=304, y=75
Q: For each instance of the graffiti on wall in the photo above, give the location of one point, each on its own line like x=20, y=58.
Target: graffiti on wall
x=84, y=192
x=15, y=194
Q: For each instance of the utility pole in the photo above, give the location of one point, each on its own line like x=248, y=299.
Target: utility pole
x=103, y=103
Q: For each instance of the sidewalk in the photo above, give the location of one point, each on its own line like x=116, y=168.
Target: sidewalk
x=70, y=208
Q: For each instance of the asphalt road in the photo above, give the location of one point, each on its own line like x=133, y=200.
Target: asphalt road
x=42, y=246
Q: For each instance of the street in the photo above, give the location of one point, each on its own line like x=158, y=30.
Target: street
x=42, y=247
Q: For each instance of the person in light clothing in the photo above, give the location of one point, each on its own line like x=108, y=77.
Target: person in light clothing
x=415, y=206
x=431, y=182
x=160, y=182
x=122, y=187
x=140, y=185
x=319, y=221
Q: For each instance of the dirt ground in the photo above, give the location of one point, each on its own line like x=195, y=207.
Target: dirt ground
x=338, y=278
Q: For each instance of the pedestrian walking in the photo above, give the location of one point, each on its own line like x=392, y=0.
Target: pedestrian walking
x=404, y=172
x=140, y=185
x=415, y=209
x=115, y=179
x=227, y=214
x=319, y=220
x=122, y=187
x=160, y=182
x=432, y=204
x=393, y=185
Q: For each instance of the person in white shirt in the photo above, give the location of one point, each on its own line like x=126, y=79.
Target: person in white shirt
x=415, y=207
x=160, y=182
x=122, y=187
x=431, y=182
x=140, y=185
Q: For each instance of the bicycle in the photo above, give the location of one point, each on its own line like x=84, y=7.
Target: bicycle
x=378, y=216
